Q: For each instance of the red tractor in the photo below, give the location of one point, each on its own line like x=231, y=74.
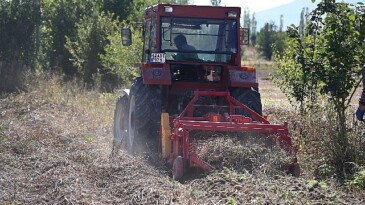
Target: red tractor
x=192, y=79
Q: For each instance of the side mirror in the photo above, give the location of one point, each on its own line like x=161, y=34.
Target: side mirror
x=126, y=35
x=244, y=36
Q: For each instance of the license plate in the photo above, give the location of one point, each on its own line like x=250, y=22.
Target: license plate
x=157, y=58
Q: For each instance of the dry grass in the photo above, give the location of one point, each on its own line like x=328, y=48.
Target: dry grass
x=270, y=94
x=11, y=76
x=55, y=145
x=56, y=149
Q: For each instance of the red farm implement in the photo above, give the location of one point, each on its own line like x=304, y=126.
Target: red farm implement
x=192, y=79
x=180, y=150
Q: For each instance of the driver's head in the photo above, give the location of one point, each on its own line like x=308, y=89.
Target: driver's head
x=180, y=40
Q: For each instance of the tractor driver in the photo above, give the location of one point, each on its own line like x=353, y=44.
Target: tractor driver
x=361, y=109
x=182, y=45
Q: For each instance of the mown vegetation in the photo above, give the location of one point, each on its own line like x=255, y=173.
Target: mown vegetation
x=56, y=149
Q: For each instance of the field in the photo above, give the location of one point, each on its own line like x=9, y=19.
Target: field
x=56, y=148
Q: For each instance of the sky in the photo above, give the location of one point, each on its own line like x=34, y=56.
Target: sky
x=257, y=6
x=271, y=10
x=253, y=5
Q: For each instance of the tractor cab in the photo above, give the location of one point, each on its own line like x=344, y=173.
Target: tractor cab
x=191, y=44
x=183, y=33
x=199, y=40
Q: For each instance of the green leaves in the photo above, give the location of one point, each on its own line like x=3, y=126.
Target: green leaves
x=92, y=37
x=269, y=37
x=323, y=67
x=17, y=31
x=120, y=60
x=327, y=61
x=294, y=73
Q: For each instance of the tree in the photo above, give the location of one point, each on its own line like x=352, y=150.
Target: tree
x=92, y=37
x=253, y=30
x=60, y=18
x=17, y=36
x=132, y=11
x=269, y=38
x=180, y=1
x=280, y=42
x=18, y=20
x=246, y=18
x=215, y=2
x=323, y=64
x=119, y=59
x=120, y=8
x=266, y=38
x=303, y=20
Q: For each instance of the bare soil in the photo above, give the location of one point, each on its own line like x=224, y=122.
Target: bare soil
x=56, y=145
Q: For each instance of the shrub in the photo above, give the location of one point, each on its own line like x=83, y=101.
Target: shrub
x=59, y=19
x=318, y=72
x=17, y=42
x=86, y=48
x=358, y=181
x=17, y=31
x=120, y=60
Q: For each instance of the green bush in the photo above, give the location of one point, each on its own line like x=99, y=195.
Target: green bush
x=60, y=19
x=320, y=70
x=268, y=37
x=17, y=42
x=88, y=46
x=17, y=26
x=358, y=180
x=120, y=60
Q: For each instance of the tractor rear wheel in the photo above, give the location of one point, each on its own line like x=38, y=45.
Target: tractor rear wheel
x=144, y=115
x=249, y=97
x=120, y=121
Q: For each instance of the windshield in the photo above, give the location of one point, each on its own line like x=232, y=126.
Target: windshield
x=193, y=39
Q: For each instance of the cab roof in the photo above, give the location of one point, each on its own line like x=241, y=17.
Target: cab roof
x=220, y=12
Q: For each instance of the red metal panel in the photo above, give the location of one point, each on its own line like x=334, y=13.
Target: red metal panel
x=239, y=78
x=180, y=87
x=232, y=127
x=156, y=75
x=279, y=130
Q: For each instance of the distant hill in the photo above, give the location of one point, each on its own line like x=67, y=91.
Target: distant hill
x=291, y=13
